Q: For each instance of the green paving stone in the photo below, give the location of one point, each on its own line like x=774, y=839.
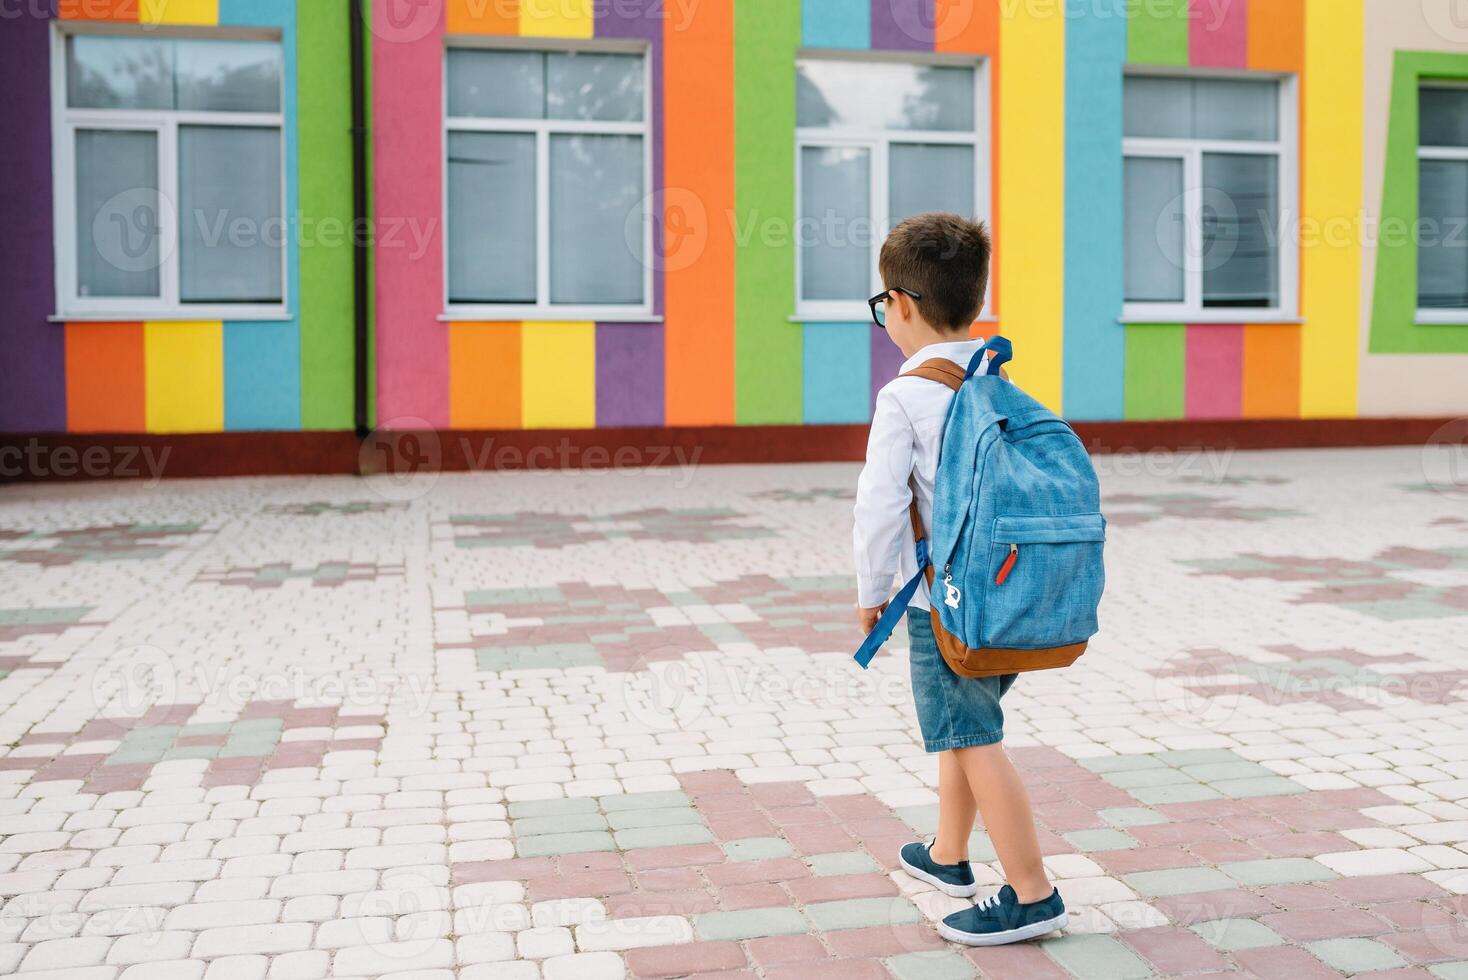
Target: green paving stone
x=722, y=632
x=1121, y=763
x=240, y=750
x=1212, y=772
x=562, y=823
x=922, y=819
x=552, y=808
x=1277, y=871
x=1092, y=957
x=1130, y=816
x=859, y=913
x=577, y=843
x=1232, y=935
x=750, y=924
x=757, y=849
x=1100, y=840
x=1178, y=881
x=980, y=848
x=1452, y=971
x=537, y=658
x=43, y=617
x=1137, y=778
x=1356, y=955
x=662, y=836
x=1198, y=757
x=645, y=801
x=661, y=817
x=841, y=863
x=1258, y=786
x=1181, y=793
x=192, y=752
x=934, y=964
x=210, y=728
x=124, y=755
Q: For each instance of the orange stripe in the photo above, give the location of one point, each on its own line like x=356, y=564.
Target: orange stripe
x=484, y=375
x=698, y=245
x=118, y=10
x=104, y=377
x=1277, y=35
x=1271, y=387
x=966, y=26
x=482, y=16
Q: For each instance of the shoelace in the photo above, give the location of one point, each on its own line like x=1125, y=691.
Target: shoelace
x=992, y=902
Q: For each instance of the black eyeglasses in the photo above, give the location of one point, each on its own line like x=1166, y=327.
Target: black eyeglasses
x=878, y=303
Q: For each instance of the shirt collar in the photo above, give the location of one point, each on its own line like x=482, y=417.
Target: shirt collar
x=957, y=351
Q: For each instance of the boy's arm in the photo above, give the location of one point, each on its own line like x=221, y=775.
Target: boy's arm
x=882, y=495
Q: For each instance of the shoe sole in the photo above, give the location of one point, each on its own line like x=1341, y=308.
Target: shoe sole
x=947, y=888
x=1031, y=931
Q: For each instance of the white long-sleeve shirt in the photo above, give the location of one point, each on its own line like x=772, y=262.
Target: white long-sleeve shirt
x=907, y=430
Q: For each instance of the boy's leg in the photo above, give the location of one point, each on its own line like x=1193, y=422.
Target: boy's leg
x=956, y=811
x=1005, y=804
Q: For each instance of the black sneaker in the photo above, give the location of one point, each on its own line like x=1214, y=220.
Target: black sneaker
x=1001, y=918
x=951, y=879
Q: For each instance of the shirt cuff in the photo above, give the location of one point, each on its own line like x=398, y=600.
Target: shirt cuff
x=872, y=592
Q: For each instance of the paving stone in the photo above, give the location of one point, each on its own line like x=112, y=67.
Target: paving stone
x=567, y=823
x=757, y=849
x=1277, y=871
x=1181, y=881
x=1131, y=816
x=750, y=924
x=1096, y=958
x=931, y=965
x=672, y=836
x=1230, y=935
x=576, y=843
x=1357, y=955
x=1100, y=840
x=841, y=863
x=856, y=913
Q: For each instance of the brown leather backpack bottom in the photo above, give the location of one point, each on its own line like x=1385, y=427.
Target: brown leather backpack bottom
x=993, y=662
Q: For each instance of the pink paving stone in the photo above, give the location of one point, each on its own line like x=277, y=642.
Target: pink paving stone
x=774, y=950
x=1202, y=810
x=856, y=806
x=831, y=970
x=1041, y=757
x=1435, y=945
x=883, y=940
x=1066, y=817
x=1178, y=833
x=788, y=815
x=1329, y=819
x=1312, y=924
x=1052, y=844
x=1378, y=888
x=755, y=895
x=633, y=905
x=1206, y=906
x=511, y=869
x=679, y=961
x=781, y=794
x=668, y=879
x=835, y=887
x=867, y=827
x=1300, y=898
x=725, y=803
x=1304, y=844
x=743, y=872
x=584, y=884
x=1022, y=961
x=1100, y=795
x=1411, y=915
x=1224, y=851
x=1133, y=859
x=682, y=856
x=712, y=781
x=885, y=850
x=819, y=839
x=356, y=744
x=1251, y=828
x=590, y=861
x=1289, y=962
x=737, y=824
x=1359, y=798
x=1174, y=950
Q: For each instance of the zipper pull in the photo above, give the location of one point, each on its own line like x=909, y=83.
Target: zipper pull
x=1008, y=565
x=952, y=597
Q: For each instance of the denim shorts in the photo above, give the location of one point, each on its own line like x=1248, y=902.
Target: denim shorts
x=953, y=712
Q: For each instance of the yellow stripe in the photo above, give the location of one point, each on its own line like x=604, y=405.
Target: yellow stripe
x=183, y=367
x=558, y=375
x=1031, y=219
x=178, y=12
x=1331, y=188
x=556, y=18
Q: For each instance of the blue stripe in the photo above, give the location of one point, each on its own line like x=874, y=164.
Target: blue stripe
x=838, y=367
x=1095, y=342
x=836, y=24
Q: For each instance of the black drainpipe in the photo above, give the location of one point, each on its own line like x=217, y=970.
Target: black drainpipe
x=360, y=236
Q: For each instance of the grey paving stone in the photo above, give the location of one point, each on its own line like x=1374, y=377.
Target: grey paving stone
x=577, y=843
x=859, y=913
x=1178, y=881
x=566, y=823
x=1232, y=935
x=750, y=924
x=662, y=836
x=645, y=801
x=1137, y=778
x=1258, y=786
x=1356, y=955
x=660, y=817
x=1180, y=793
x=1130, y=816
x=842, y=863
x=757, y=848
x=1121, y=763
x=1457, y=970
x=1214, y=771
x=1198, y=757
x=1277, y=871
x=933, y=964
x=1100, y=840
x=1092, y=957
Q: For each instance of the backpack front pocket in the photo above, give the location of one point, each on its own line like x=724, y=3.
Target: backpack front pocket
x=1045, y=577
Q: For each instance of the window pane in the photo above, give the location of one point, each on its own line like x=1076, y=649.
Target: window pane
x=835, y=223
x=1240, y=231
x=119, y=72
x=1154, y=233
x=496, y=84
x=117, y=213
x=596, y=219
x=1201, y=108
x=228, y=76
x=594, y=86
x=929, y=178
x=231, y=232
x=491, y=217
x=1161, y=107
x=1442, y=256
x=1444, y=116
x=883, y=95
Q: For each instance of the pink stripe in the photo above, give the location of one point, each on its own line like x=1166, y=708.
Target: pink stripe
x=1218, y=33
x=1215, y=371
x=407, y=169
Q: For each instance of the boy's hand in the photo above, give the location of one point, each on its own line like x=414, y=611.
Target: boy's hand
x=868, y=617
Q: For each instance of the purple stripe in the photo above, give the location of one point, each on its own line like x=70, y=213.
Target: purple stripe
x=903, y=25
x=886, y=360
x=32, y=350
x=629, y=374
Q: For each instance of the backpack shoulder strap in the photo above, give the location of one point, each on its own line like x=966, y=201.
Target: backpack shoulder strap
x=939, y=369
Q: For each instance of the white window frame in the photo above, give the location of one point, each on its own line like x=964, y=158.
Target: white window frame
x=65, y=121
x=877, y=142
x=543, y=309
x=1436, y=316
x=1190, y=152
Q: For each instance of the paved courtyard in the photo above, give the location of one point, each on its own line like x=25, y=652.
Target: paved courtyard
x=595, y=725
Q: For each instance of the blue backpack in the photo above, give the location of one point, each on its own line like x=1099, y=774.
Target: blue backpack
x=1017, y=530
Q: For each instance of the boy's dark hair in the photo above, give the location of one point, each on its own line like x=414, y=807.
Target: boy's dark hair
x=945, y=259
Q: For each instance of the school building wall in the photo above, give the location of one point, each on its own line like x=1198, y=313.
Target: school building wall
x=722, y=348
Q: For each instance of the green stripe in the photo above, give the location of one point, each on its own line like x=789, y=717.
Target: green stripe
x=767, y=346
x=1156, y=365
x=324, y=111
x=1394, y=329
x=1157, y=32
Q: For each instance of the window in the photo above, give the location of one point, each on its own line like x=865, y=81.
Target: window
x=546, y=184
x=1442, y=206
x=1209, y=190
x=170, y=177
x=877, y=142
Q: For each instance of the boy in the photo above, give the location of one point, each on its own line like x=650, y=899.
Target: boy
x=936, y=267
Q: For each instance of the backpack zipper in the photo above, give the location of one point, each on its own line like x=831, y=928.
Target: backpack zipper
x=1008, y=565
